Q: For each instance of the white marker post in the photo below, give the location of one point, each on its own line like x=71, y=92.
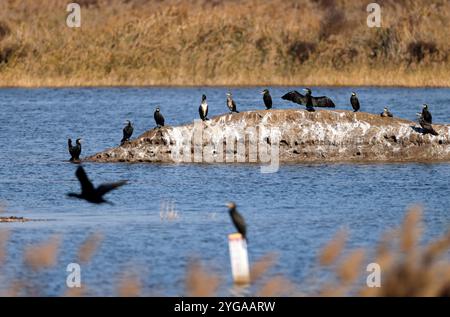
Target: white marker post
x=239, y=258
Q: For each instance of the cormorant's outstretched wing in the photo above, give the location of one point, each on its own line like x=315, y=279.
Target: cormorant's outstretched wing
x=300, y=99
x=104, y=188
x=323, y=101
x=86, y=185
x=296, y=97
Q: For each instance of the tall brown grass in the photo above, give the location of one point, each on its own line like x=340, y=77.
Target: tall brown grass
x=408, y=268
x=235, y=42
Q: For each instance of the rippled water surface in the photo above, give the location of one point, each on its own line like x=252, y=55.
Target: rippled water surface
x=293, y=212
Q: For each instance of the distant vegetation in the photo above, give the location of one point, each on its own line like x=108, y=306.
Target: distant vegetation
x=214, y=42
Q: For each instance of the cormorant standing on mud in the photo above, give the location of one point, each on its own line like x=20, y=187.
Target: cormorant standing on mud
x=89, y=192
x=127, y=132
x=355, y=102
x=159, y=119
x=386, y=113
x=230, y=103
x=267, y=99
x=74, y=151
x=203, y=109
x=238, y=220
x=425, y=121
x=309, y=103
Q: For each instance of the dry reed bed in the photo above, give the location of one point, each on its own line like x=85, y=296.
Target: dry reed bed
x=214, y=42
x=408, y=268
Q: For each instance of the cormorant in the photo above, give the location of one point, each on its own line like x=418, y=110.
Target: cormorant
x=355, y=102
x=427, y=127
x=386, y=113
x=300, y=99
x=231, y=104
x=426, y=120
x=426, y=115
x=127, y=132
x=74, y=151
x=309, y=103
x=267, y=99
x=89, y=192
x=238, y=220
x=203, y=109
x=159, y=119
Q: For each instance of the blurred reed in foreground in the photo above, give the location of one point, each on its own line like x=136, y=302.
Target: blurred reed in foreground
x=407, y=268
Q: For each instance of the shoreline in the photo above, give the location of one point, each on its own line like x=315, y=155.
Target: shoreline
x=175, y=86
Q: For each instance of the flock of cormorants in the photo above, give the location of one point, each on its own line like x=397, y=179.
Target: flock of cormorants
x=95, y=194
x=310, y=102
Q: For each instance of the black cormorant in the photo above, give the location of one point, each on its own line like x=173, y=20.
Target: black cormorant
x=300, y=99
x=426, y=120
x=231, y=104
x=309, y=103
x=426, y=115
x=159, y=119
x=89, y=192
x=74, y=151
x=355, y=102
x=386, y=113
x=127, y=132
x=267, y=99
x=238, y=220
x=203, y=109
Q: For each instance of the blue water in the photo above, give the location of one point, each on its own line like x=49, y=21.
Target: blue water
x=293, y=212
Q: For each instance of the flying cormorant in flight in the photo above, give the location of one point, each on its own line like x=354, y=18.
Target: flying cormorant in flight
x=267, y=99
x=89, y=192
x=159, y=119
x=127, y=132
x=426, y=120
x=231, y=104
x=386, y=113
x=300, y=99
x=74, y=151
x=203, y=109
x=238, y=220
x=355, y=102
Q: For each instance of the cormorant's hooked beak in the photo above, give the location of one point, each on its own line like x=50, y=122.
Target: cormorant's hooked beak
x=263, y=92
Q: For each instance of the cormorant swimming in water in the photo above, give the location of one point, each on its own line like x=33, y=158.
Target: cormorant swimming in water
x=300, y=99
x=74, y=151
x=231, y=104
x=426, y=121
x=355, y=102
x=386, y=113
x=309, y=103
x=203, y=109
x=238, y=220
x=267, y=99
x=89, y=192
x=159, y=119
x=127, y=132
